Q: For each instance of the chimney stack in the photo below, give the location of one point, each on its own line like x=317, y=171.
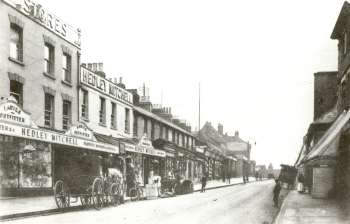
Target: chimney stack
x=236, y=134
x=220, y=129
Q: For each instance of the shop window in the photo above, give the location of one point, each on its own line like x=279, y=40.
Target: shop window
x=49, y=111
x=66, y=115
x=9, y=165
x=102, y=111
x=127, y=120
x=16, y=42
x=85, y=105
x=114, y=115
x=16, y=90
x=67, y=67
x=49, y=59
x=35, y=166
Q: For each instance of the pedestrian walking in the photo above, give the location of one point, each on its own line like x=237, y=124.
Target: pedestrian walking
x=204, y=182
x=276, y=193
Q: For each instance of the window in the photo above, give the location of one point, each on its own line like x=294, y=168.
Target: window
x=16, y=90
x=102, y=111
x=16, y=42
x=127, y=120
x=49, y=57
x=145, y=126
x=85, y=105
x=345, y=44
x=66, y=67
x=66, y=115
x=152, y=130
x=173, y=138
x=49, y=110
x=114, y=115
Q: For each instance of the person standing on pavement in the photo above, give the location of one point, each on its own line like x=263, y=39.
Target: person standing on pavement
x=301, y=183
x=276, y=193
x=204, y=182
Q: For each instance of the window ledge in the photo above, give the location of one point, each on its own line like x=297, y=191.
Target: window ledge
x=102, y=124
x=49, y=75
x=67, y=83
x=16, y=61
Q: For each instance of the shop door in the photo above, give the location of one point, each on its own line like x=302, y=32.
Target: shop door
x=146, y=168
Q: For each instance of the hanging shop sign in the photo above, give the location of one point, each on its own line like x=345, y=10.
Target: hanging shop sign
x=92, y=80
x=81, y=131
x=39, y=14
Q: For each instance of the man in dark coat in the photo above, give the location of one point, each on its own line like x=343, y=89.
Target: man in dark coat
x=204, y=182
x=276, y=193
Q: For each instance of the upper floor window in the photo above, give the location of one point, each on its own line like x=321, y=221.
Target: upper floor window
x=345, y=44
x=173, y=136
x=114, y=115
x=102, y=111
x=49, y=110
x=66, y=115
x=66, y=67
x=16, y=42
x=85, y=104
x=16, y=90
x=127, y=120
x=49, y=59
x=145, y=126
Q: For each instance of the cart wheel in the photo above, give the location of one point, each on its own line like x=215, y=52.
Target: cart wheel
x=97, y=194
x=61, y=193
x=85, y=200
x=134, y=194
x=114, y=194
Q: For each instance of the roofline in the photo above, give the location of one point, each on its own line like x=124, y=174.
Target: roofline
x=340, y=20
x=160, y=119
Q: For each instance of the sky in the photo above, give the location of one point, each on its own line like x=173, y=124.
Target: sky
x=254, y=60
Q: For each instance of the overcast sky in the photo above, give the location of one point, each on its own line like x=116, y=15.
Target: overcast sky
x=254, y=59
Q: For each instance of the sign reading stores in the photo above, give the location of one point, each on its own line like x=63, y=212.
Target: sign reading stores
x=51, y=137
x=49, y=20
x=104, y=86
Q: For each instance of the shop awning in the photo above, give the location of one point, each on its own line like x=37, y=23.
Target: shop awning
x=327, y=146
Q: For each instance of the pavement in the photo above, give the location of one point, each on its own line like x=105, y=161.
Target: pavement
x=30, y=206
x=250, y=203
x=300, y=208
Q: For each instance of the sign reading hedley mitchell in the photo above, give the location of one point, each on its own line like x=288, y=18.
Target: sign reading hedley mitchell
x=104, y=86
x=15, y=122
x=39, y=14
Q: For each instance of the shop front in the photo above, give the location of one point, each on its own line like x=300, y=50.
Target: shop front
x=30, y=157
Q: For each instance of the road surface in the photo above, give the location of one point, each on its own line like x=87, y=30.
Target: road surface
x=249, y=203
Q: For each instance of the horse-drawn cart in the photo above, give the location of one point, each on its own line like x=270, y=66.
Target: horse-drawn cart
x=92, y=190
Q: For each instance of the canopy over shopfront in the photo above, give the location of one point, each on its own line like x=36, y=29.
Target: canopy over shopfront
x=327, y=146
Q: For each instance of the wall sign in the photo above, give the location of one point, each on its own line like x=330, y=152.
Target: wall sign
x=41, y=15
x=94, y=81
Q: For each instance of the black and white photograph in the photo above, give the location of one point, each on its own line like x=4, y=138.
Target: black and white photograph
x=174, y=112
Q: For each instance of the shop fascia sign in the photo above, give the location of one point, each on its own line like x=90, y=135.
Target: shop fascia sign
x=15, y=122
x=11, y=112
x=145, y=147
x=104, y=86
x=200, y=149
x=41, y=15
